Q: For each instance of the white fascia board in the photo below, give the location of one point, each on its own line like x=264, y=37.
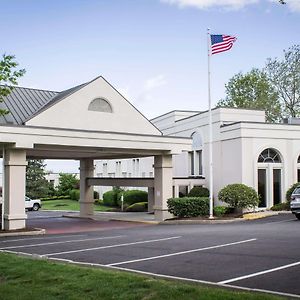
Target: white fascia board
x=260, y=130
x=27, y=136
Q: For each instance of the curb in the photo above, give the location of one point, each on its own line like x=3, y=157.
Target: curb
x=195, y=222
x=38, y=231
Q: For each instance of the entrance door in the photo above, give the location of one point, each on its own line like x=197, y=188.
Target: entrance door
x=269, y=178
x=269, y=186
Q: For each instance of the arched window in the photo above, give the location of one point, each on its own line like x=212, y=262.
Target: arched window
x=197, y=140
x=100, y=104
x=269, y=156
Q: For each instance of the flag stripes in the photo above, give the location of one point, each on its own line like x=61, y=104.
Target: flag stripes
x=221, y=43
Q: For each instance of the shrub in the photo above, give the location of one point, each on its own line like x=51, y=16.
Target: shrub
x=110, y=198
x=96, y=195
x=98, y=202
x=239, y=196
x=188, y=206
x=133, y=196
x=290, y=191
x=198, y=191
x=281, y=206
x=219, y=211
x=138, y=207
x=74, y=194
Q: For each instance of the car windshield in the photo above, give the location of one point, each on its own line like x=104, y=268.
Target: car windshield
x=297, y=190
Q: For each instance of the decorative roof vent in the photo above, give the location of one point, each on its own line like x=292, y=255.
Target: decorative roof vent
x=100, y=104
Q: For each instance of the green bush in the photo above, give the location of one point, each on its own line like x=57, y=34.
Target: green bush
x=98, y=202
x=110, y=198
x=188, y=206
x=281, y=206
x=133, y=196
x=239, y=196
x=74, y=194
x=220, y=211
x=138, y=207
x=198, y=191
x=290, y=191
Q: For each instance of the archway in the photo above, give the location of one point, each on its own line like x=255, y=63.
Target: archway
x=269, y=175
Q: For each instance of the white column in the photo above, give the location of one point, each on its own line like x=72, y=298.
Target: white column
x=86, y=192
x=163, y=185
x=14, y=163
x=176, y=192
x=150, y=199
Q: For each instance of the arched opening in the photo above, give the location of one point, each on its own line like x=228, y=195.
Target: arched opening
x=195, y=156
x=269, y=175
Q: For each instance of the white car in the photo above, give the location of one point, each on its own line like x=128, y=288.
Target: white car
x=30, y=204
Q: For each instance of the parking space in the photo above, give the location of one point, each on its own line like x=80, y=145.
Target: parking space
x=262, y=254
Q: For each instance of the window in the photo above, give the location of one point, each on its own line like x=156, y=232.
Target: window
x=100, y=105
x=195, y=156
x=269, y=156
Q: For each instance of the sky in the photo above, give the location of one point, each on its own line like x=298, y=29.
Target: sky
x=153, y=51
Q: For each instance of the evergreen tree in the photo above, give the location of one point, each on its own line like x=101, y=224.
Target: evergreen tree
x=37, y=185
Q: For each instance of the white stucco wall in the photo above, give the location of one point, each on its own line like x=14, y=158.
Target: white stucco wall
x=73, y=112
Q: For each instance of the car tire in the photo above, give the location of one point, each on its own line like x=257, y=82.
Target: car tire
x=298, y=216
x=35, y=207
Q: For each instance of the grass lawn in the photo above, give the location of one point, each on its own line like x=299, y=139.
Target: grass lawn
x=67, y=204
x=25, y=278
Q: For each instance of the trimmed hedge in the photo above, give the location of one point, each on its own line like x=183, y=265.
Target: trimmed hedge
x=138, y=207
x=54, y=198
x=188, y=206
x=133, y=196
x=290, y=191
x=198, y=191
x=239, y=196
x=74, y=194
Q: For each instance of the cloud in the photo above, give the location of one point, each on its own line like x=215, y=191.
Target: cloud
x=155, y=82
x=149, y=87
x=203, y=4
x=293, y=5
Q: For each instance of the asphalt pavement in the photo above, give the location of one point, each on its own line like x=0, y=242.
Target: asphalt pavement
x=262, y=254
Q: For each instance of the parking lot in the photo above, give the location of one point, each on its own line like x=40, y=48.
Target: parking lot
x=262, y=254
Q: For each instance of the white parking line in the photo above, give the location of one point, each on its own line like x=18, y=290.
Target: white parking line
x=61, y=242
x=43, y=238
x=180, y=253
x=260, y=273
x=112, y=246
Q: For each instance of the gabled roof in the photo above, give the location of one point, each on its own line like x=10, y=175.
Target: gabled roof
x=23, y=103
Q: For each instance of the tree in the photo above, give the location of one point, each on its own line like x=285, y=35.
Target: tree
x=37, y=185
x=8, y=77
x=252, y=90
x=285, y=77
x=67, y=182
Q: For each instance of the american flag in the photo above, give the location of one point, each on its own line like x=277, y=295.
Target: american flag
x=221, y=43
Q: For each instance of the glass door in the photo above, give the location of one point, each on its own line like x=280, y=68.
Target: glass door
x=262, y=187
x=276, y=186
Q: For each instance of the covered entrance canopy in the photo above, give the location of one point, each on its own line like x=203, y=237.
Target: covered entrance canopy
x=88, y=122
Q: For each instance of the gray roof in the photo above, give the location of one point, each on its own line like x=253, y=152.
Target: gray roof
x=24, y=103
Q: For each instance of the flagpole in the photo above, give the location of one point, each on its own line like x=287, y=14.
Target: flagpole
x=210, y=145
